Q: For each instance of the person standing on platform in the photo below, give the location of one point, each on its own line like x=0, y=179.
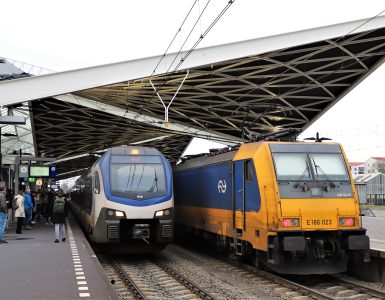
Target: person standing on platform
x=59, y=214
x=9, y=198
x=3, y=214
x=46, y=209
x=51, y=196
x=28, y=208
x=19, y=212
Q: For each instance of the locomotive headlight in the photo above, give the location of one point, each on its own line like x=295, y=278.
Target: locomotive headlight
x=346, y=221
x=290, y=222
x=119, y=213
x=161, y=213
x=111, y=214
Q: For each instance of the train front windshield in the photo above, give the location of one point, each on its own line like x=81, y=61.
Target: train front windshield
x=310, y=166
x=137, y=177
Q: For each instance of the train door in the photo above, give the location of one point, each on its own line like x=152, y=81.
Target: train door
x=246, y=193
x=239, y=197
x=95, y=191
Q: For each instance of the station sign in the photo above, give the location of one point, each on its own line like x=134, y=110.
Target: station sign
x=52, y=171
x=23, y=171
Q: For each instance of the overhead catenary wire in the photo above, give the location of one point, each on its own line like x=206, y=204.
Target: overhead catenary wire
x=188, y=36
x=183, y=59
x=173, y=39
x=202, y=35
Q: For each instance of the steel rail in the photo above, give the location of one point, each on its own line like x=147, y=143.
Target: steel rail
x=299, y=287
x=197, y=290
x=137, y=293
x=284, y=282
x=357, y=286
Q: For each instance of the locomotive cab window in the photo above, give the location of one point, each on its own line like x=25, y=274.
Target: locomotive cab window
x=310, y=166
x=249, y=170
x=291, y=166
x=329, y=166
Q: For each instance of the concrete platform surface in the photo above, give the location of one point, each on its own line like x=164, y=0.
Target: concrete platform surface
x=32, y=266
x=376, y=231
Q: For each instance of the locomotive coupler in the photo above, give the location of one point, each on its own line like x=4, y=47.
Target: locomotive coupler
x=141, y=231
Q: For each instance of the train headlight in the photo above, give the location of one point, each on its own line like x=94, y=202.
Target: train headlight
x=346, y=221
x=290, y=222
x=119, y=213
x=115, y=214
x=161, y=213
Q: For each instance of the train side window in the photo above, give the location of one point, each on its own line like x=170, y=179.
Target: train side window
x=97, y=183
x=249, y=170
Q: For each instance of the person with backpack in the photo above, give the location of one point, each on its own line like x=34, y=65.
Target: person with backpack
x=9, y=198
x=28, y=208
x=3, y=214
x=59, y=213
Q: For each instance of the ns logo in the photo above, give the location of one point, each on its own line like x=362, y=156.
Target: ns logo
x=222, y=186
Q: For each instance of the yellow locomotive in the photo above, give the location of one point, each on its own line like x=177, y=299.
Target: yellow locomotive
x=291, y=206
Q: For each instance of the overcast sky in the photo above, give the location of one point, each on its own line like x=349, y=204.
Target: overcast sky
x=64, y=35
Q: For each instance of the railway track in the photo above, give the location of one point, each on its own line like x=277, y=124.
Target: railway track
x=318, y=287
x=181, y=273
x=151, y=279
x=342, y=288
x=361, y=287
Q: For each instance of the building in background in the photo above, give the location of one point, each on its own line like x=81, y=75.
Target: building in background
x=371, y=166
x=370, y=188
x=357, y=168
x=375, y=165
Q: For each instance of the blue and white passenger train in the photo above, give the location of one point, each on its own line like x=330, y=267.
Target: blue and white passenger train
x=125, y=201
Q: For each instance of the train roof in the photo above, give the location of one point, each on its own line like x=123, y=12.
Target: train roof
x=205, y=160
x=227, y=154
x=133, y=150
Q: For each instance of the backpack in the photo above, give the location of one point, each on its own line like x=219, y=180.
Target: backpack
x=3, y=205
x=58, y=206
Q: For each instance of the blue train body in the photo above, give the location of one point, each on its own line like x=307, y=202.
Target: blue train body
x=125, y=200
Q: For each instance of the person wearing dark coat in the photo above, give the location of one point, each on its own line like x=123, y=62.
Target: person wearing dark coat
x=49, y=205
x=59, y=214
x=9, y=198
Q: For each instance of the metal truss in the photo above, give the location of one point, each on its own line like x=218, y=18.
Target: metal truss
x=255, y=95
x=16, y=138
x=171, y=147
x=67, y=130
x=236, y=92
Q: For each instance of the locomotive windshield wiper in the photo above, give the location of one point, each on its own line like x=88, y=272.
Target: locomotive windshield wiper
x=317, y=167
x=154, y=183
x=303, y=174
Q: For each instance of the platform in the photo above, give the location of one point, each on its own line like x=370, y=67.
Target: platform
x=376, y=231
x=375, y=270
x=32, y=266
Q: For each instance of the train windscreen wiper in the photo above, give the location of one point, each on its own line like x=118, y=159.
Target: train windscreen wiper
x=317, y=167
x=154, y=183
x=307, y=170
